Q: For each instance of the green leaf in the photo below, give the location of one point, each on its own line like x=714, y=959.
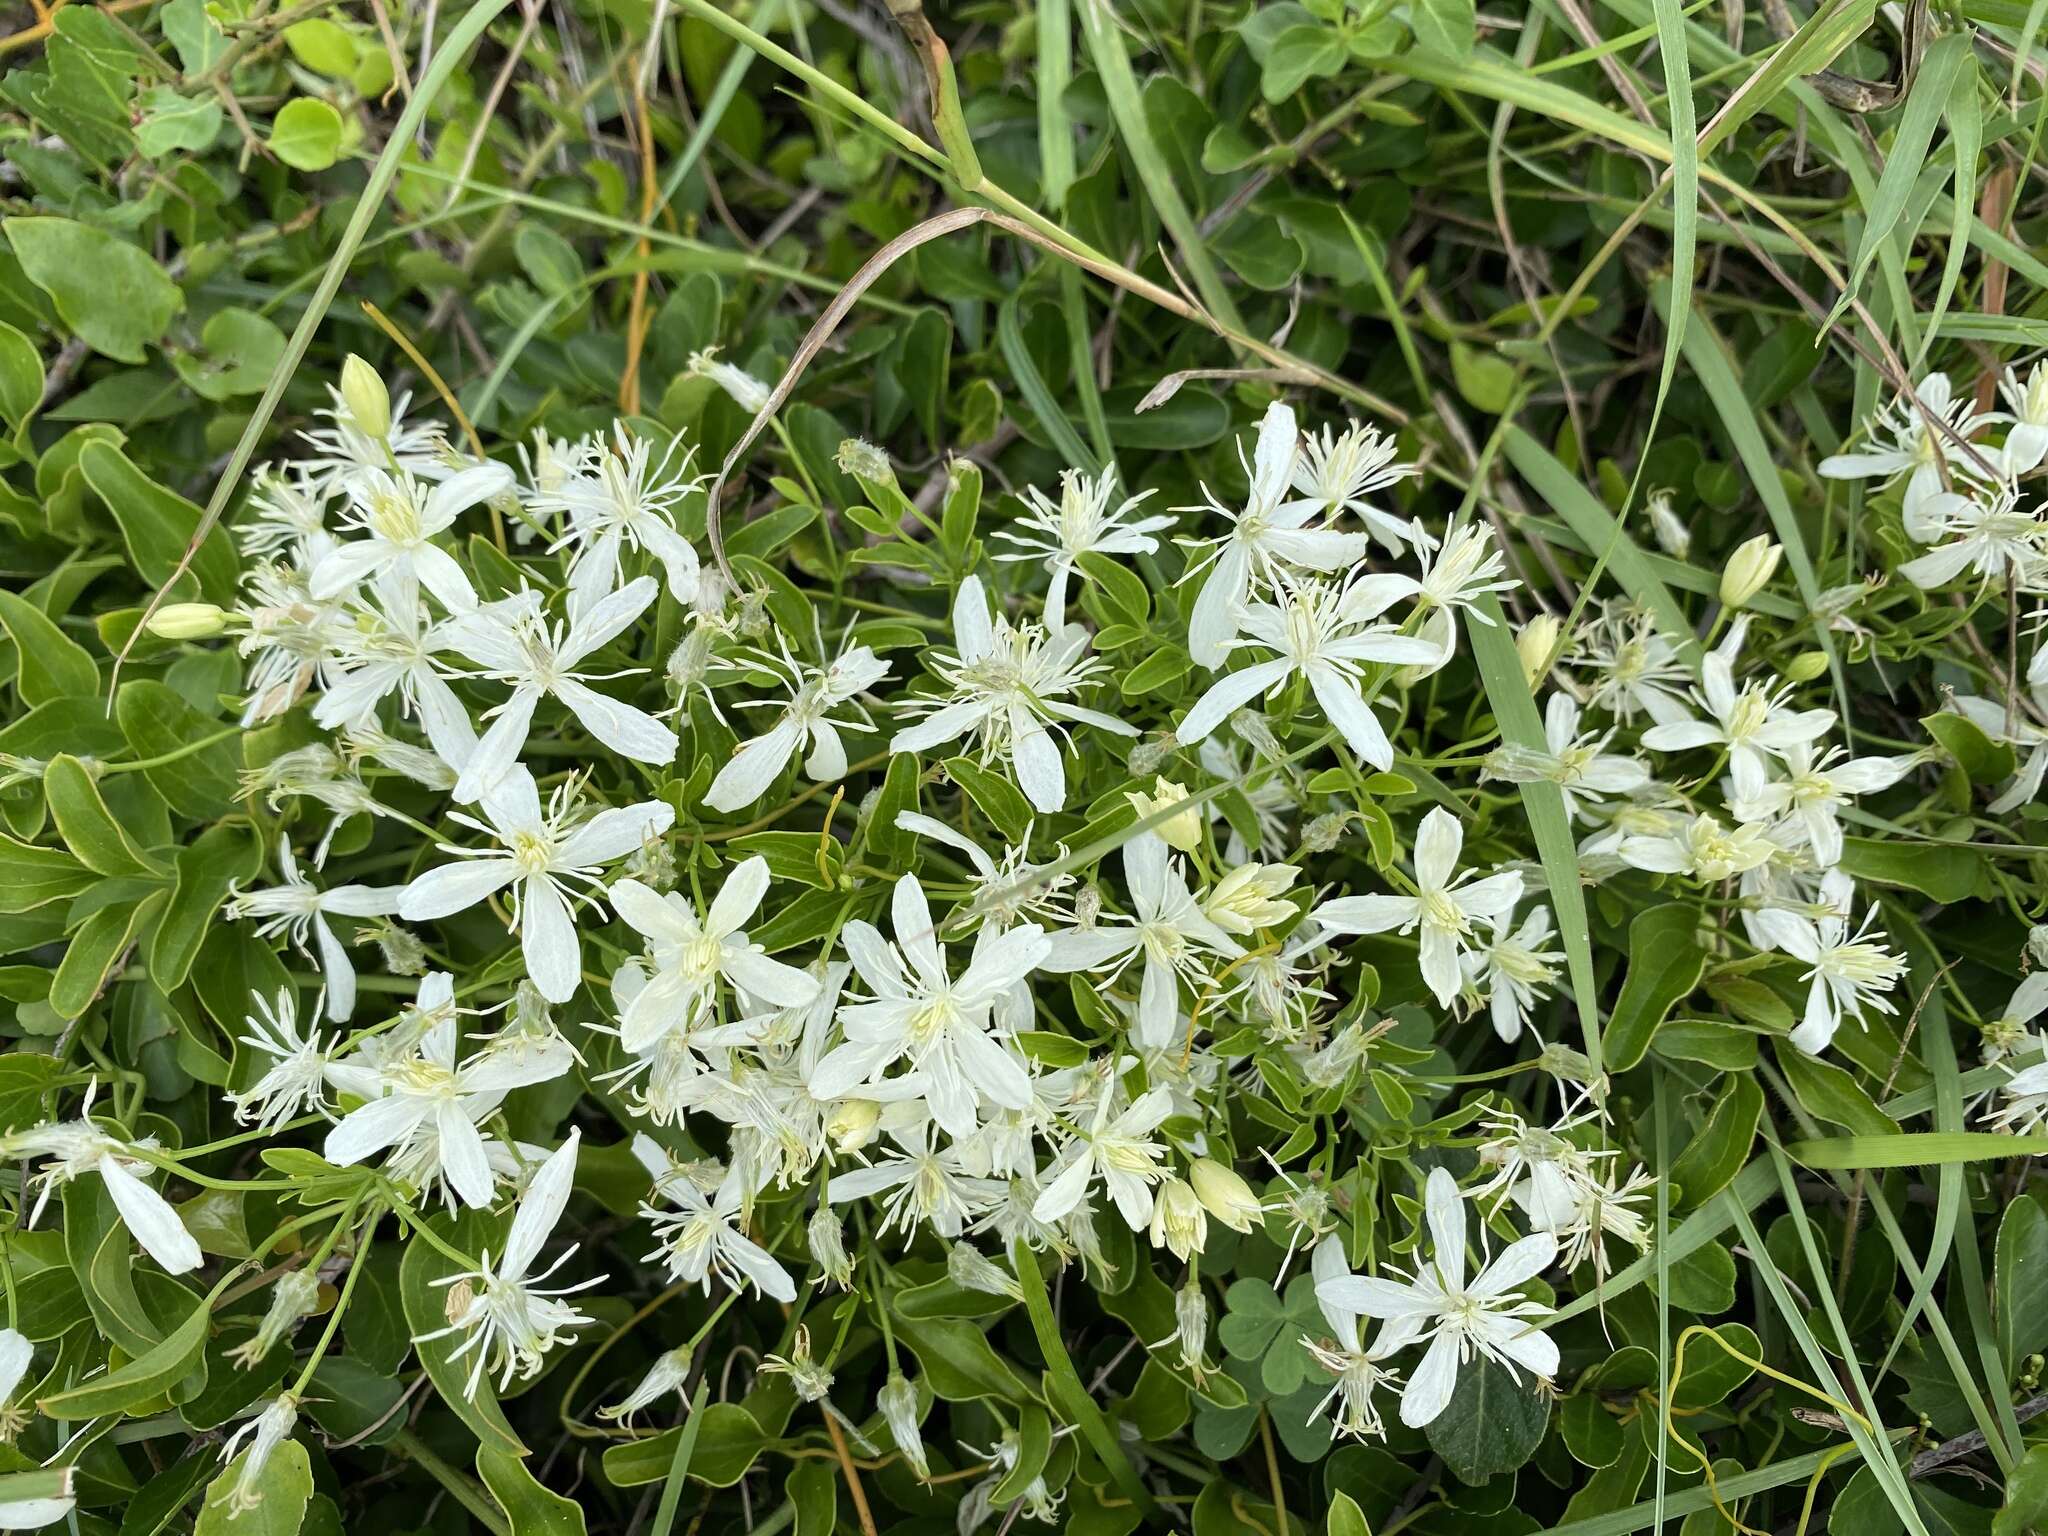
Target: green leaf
x=1949, y=874
x=959, y=1362
x=52, y=665
x=207, y=869
x=1664, y=965
x=1000, y=800
x=96, y=950
x=306, y=134
x=32, y=877
x=729, y=1441
x=532, y=1509
x=1828, y=1093
x=89, y=829
x=322, y=46
x=148, y=1376
x=239, y=350
x=1717, y=1151
x=112, y=295
x=1447, y=26
x=2026, y=1496
x=21, y=376
x=172, y=121
x=1485, y=379
x=158, y=724
x=158, y=524
x=1492, y=1423
x=2020, y=1283
x=284, y=1489
x=1983, y=760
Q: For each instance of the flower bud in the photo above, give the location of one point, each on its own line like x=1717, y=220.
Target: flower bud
x=1325, y=832
x=666, y=1375
x=1248, y=898
x=1191, y=1326
x=972, y=1270
x=748, y=392
x=1178, y=1222
x=367, y=400
x=1182, y=830
x=1749, y=569
x=1806, y=666
x=897, y=1403
x=1673, y=537
x=851, y=1124
x=1225, y=1194
x=864, y=461
x=1536, y=645
x=828, y=1247
x=292, y=1299
x=1151, y=751
x=188, y=621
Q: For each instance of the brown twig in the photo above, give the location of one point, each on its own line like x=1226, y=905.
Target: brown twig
x=852, y=1476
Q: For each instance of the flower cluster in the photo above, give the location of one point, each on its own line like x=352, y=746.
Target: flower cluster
x=805, y=1031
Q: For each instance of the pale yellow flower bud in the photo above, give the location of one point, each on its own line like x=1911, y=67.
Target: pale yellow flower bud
x=1225, y=1194
x=851, y=1123
x=1183, y=831
x=187, y=621
x=1536, y=645
x=1248, y=898
x=368, y=401
x=1178, y=1221
x=1749, y=569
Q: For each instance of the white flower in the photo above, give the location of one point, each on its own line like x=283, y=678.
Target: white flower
x=1673, y=537
x=1514, y=969
x=1006, y=891
x=925, y=1182
x=392, y=648
x=1115, y=1147
x=16, y=1355
x=941, y=1028
x=1325, y=634
x=691, y=954
x=78, y=1147
x=1006, y=683
x=2017, y=729
x=1752, y=724
x=1985, y=534
x=1179, y=1224
x=1904, y=440
x=1815, y=788
x=1459, y=1319
x=1168, y=928
x=701, y=1237
x=537, y=853
x=516, y=646
x=265, y=1433
x=296, y=1079
x=1850, y=971
x=1359, y=1375
x=424, y=1106
x=1269, y=539
x=299, y=910
x=1081, y=523
x=806, y=719
x=898, y=1405
x=1583, y=771
x=1632, y=667
x=1445, y=906
x=620, y=498
x=399, y=519
x=509, y=1323
x=1701, y=847
x=2026, y=445
x=1338, y=470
